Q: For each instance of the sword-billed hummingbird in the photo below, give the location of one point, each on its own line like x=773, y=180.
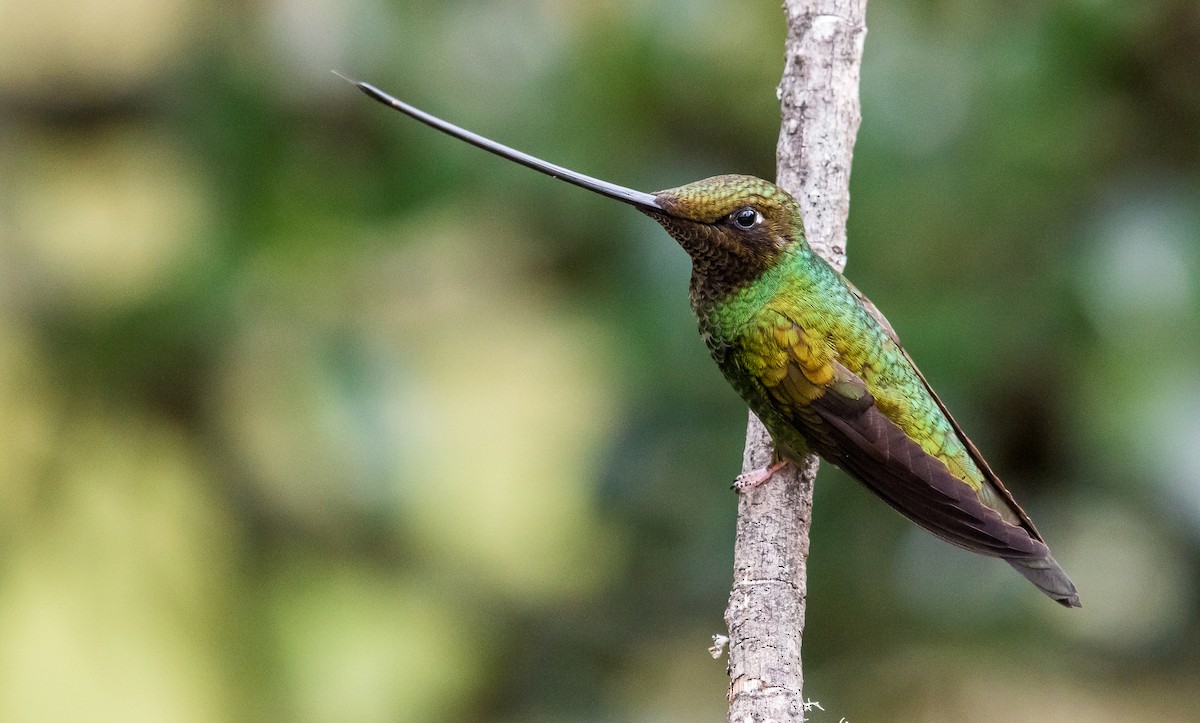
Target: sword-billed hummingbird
x=816, y=361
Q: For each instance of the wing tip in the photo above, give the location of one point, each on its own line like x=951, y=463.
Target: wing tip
x=1048, y=576
x=1070, y=602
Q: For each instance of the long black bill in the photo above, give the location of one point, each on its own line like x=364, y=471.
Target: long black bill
x=604, y=188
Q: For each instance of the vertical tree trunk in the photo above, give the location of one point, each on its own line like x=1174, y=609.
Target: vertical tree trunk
x=820, y=115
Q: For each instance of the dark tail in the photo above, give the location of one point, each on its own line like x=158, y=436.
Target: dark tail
x=1049, y=578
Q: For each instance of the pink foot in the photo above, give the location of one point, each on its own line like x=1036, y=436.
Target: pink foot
x=755, y=477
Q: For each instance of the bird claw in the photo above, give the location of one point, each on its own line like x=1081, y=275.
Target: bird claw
x=756, y=477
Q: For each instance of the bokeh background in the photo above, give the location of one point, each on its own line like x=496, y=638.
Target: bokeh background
x=308, y=413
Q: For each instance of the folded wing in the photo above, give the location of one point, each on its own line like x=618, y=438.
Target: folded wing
x=833, y=408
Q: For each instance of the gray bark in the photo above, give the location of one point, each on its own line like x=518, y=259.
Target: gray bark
x=820, y=116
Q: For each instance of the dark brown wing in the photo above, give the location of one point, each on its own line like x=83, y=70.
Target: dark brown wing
x=836, y=413
x=1044, y=572
x=989, y=476
x=856, y=436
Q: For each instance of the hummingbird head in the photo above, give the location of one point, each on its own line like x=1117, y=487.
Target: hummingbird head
x=733, y=227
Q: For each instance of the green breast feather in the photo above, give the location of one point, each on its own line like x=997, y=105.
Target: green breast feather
x=794, y=336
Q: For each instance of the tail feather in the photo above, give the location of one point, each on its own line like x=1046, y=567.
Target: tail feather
x=1049, y=578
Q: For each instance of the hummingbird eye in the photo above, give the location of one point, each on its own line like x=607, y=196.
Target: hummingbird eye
x=746, y=218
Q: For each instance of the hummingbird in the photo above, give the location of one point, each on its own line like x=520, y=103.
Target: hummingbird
x=815, y=360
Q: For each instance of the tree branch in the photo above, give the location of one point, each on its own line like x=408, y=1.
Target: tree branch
x=820, y=116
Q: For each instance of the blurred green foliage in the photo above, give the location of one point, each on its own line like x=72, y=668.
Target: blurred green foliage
x=312, y=414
